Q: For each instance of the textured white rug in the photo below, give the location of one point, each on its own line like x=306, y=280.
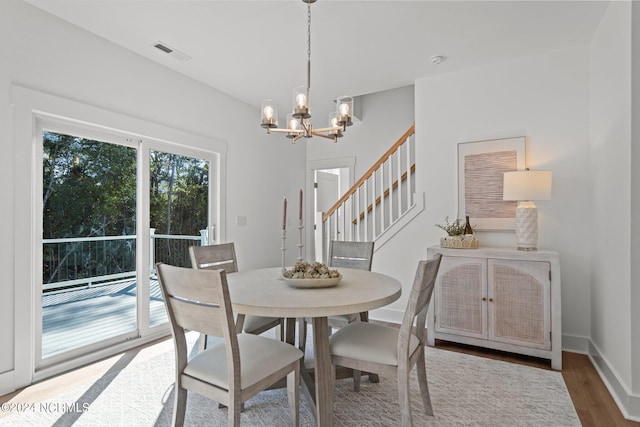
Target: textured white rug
x=465, y=391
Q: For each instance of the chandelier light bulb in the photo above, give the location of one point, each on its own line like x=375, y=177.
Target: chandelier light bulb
x=294, y=123
x=334, y=123
x=344, y=109
x=269, y=114
x=301, y=100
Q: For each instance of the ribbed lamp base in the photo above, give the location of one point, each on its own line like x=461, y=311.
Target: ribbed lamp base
x=527, y=226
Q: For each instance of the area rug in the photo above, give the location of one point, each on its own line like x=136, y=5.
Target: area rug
x=465, y=391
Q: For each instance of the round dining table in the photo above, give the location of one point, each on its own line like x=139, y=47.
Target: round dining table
x=263, y=292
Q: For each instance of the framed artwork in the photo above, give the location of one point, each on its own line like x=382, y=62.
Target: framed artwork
x=481, y=165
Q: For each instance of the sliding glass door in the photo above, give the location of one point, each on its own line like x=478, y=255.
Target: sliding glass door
x=113, y=205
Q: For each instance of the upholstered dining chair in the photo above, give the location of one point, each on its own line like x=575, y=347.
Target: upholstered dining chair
x=223, y=256
x=391, y=351
x=357, y=255
x=232, y=370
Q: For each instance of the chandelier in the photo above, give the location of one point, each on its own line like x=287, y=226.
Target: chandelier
x=299, y=121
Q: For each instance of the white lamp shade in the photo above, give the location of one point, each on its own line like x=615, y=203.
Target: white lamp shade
x=527, y=185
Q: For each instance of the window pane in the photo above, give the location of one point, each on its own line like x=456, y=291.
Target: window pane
x=179, y=199
x=89, y=241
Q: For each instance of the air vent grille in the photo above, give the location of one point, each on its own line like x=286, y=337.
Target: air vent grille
x=180, y=56
x=163, y=48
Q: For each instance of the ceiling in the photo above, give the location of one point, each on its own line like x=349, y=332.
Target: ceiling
x=254, y=50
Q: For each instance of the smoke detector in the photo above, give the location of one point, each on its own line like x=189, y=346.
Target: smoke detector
x=436, y=59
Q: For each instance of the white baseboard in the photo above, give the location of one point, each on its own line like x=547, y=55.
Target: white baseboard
x=575, y=344
x=628, y=402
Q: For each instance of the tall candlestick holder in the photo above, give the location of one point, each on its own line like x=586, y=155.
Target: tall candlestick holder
x=284, y=247
x=300, y=245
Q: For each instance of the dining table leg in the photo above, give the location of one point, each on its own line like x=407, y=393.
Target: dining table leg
x=322, y=372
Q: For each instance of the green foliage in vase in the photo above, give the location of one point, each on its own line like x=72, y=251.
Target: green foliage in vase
x=456, y=228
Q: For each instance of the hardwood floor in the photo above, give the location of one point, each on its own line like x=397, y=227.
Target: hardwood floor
x=592, y=401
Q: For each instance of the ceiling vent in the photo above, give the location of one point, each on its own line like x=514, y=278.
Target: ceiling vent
x=180, y=56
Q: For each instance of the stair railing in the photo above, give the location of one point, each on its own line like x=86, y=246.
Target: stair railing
x=378, y=199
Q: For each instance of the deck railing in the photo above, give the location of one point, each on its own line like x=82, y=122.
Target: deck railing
x=83, y=262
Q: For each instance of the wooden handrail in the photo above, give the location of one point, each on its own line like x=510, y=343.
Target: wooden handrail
x=403, y=178
x=370, y=172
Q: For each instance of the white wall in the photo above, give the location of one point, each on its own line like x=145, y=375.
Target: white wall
x=44, y=53
x=611, y=189
x=615, y=127
x=6, y=222
x=545, y=98
x=634, y=301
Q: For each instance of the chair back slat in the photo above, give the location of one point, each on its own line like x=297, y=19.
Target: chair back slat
x=214, y=257
x=198, y=317
x=357, y=255
x=197, y=300
x=421, y=292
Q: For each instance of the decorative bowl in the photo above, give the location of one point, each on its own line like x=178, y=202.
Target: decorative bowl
x=313, y=283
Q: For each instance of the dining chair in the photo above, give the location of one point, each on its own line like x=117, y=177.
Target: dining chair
x=391, y=351
x=342, y=254
x=232, y=370
x=356, y=255
x=223, y=256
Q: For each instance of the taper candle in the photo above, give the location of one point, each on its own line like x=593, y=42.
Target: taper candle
x=300, y=210
x=284, y=214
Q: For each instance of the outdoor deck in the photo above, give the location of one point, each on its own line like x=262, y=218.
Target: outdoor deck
x=81, y=317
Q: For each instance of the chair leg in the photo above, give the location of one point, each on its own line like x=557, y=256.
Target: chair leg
x=424, y=385
x=404, y=398
x=222, y=406
x=179, y=405
x=293, y=394
x=282, y=334
x=235, y=408
x=356, y=380
x=302, y=333
x=364, y=317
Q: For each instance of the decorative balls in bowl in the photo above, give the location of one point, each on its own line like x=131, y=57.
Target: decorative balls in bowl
x=316, y=275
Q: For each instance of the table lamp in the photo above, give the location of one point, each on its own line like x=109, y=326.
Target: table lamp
x=525, y=187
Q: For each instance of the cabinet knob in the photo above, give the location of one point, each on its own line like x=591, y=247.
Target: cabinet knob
x=490, y=299
x=484, y=298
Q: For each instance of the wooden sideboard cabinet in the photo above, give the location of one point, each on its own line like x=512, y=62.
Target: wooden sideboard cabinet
x=498, y=298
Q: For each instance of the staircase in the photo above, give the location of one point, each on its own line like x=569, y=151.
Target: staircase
x=379, y=203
